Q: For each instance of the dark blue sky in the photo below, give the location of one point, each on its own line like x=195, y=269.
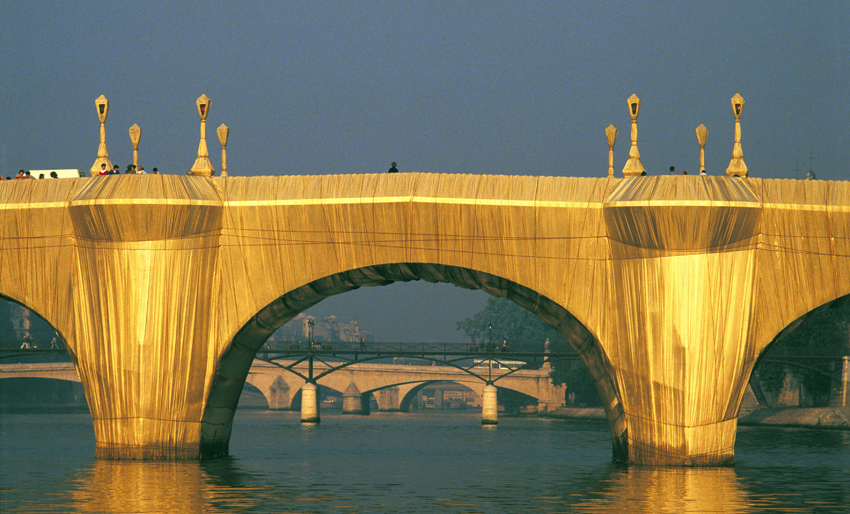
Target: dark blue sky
x=521, y=88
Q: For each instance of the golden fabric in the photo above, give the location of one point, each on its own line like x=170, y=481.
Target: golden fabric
x=669, y=286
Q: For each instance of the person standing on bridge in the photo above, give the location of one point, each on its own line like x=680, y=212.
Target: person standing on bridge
x=392, y=169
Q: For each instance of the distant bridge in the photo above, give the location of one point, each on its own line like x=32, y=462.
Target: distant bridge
x=393, y=385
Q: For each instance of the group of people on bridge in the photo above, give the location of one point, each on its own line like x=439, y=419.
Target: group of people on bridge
x=684, y=172
x=131, y=170
x=26, y=175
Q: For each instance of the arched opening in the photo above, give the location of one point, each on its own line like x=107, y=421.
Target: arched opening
x=36, y=394
x=236, y=361
x=431, y=396
x=328, y=398
x=803, y=365
x=252, y=398
x=23, y=328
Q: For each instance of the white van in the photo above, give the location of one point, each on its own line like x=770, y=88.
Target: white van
x=69, y=173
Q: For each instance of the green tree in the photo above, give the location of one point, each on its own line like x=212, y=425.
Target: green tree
x=502, y=319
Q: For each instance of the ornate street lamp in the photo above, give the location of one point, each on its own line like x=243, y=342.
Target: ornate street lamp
x=633, y=166
x=102, y=105
x=135, y=135
x=737, y=167
x=203, y=167
x=611, y=133
x=702, y=132
x=223, y=131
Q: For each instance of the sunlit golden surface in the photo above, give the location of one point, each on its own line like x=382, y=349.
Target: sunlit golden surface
x=669, y=286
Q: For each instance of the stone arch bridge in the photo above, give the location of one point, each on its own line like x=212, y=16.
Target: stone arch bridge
x=393, y=385
x=669, y=287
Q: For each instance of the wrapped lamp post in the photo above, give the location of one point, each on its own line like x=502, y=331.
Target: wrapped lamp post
x=633, y=166
x=611, y=133
x=135, y=135
x=102, y=105
x=702, y=132
x=737, y=167
x=223, y=131
x=203, y=167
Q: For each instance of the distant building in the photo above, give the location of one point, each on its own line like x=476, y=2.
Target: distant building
x=20, y=318
x=325, y=329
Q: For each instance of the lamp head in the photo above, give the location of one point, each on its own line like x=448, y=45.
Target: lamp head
x=102, y=105
x=634, y=106
x=737, y=105
x=203, y=103
x=611, y=133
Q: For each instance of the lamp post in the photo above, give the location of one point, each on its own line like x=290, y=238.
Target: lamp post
x=702, y=132
x=203, y=167
x=633, y=166
x=102, y=105
x=135, y=135
x=223, y=131
x=490, y=337
x=611, y=133
x=737, y=167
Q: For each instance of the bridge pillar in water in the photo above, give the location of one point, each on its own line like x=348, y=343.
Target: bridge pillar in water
x=143, y=296
x=279, y=398
x=489, y=406
x=681, y=280
x=354, y=402
x=389, y=399
x=841, y=393
x=310, y=403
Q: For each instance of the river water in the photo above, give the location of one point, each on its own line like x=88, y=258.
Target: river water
x=428, y=461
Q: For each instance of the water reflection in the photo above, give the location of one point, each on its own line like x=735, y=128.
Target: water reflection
x=134, y=486
x=675, y=490
x=415, y=463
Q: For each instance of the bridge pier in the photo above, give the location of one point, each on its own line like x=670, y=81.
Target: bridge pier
x=279, y=395
x=354, y=402
x=841, y=392
x=310, y=403
x=489, y=406
x=389, y=399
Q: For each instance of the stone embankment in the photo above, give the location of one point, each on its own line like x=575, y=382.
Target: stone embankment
x=836, y=418
x=818, y=417
x=577, y=413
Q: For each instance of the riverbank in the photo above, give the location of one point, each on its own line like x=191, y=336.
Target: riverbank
x=820, y=417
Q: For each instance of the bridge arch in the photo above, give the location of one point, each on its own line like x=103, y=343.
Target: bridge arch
x=476, y=386
x=842, y=301
x=233, y=366
x=53, y=326
x=766, y=355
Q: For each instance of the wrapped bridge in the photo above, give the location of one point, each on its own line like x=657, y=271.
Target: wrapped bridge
x=669, y=287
